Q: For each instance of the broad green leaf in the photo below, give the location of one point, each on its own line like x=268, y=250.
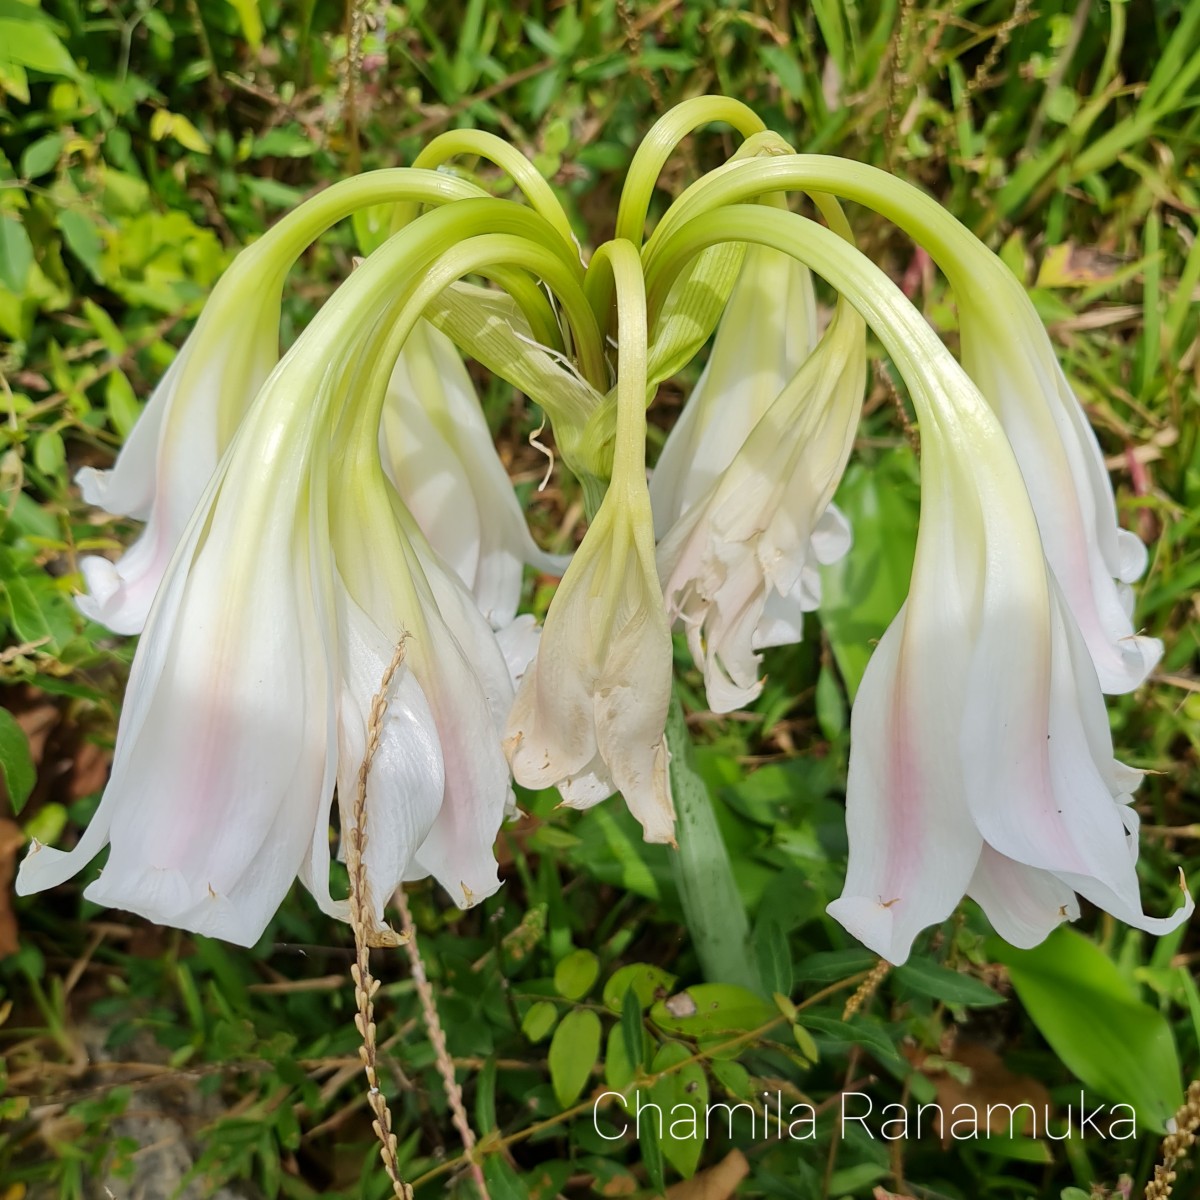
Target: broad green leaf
x=16, y=763
x=683, y=1098
x=619, y=1068
x=41, y=157
x=941, y=983
x=1020, y=1149
x=14, y=81
x=25, y=613
x=575, y=974
x=84, y=240
x=485, y=1098
x=832, y=716
x=16, y=254
x=734, y=1078
x=539, y=1019
x=106, y=328
x=648, y=983
x=1115, y=1043
x=574, y=1050
x=173, y=125
x=292, y=143
x=49, y=453
x=35, y=46
x=710, y=1008
x=772, y=954
x=47, y=824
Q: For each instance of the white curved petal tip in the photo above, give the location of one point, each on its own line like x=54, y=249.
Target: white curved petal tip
x=109, y=599
x=93, y=485
x=166, y=896
x=874, y=924
x=1132, y=556
x=1167, y=924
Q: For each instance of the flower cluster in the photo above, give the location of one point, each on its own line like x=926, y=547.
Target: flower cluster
x=312, y=519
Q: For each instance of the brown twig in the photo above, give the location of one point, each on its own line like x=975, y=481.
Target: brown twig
x=437, y=1038
x=368, y=933
x=356, y=19
x=982, y=78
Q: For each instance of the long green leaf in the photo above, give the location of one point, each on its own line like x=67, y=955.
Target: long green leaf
x=1115, y=1043
x=712, y=906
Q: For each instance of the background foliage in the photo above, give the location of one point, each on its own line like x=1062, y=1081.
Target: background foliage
x=140, y=145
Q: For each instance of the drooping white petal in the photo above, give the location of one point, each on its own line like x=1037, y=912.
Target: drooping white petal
x=1049, y=794
x=407, y=776
x=455, y=659
x=518, y=643
x=128, y=487
x=173, y=450
x=1024, y=905
x=782, y=620
x=1006, y=350
x=439, y=454
x=224, y=750
x=738, y=567
x=914, y=847
x=590, y=712
x=768, y=329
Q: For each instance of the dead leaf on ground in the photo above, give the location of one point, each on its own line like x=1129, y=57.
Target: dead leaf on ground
x=36, y=720
x=11, y=840
x=989, y=1088
x=716, y=1183
x=1068, y=265
x=89, y=771
x=619, y=1185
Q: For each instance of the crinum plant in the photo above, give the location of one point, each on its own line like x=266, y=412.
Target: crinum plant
x=331, y=520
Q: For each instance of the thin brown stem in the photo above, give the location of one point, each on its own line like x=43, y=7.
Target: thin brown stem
x=437, y=1038
x=368, y=933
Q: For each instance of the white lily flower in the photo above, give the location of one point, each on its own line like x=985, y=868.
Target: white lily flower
x=590, y=713
x=175, y=446
x=981, y=758
x=439, y=787
x=739, y=566
x=226, y=744
x=439, y=453
x=1006, y=350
